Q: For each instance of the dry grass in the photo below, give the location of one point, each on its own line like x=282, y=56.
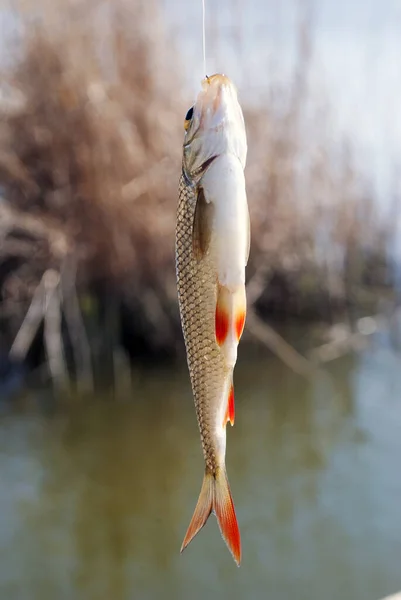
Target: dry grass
x=94, y=150
x=97, y=146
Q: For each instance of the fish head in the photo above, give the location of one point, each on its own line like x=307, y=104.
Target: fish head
x=214, y=125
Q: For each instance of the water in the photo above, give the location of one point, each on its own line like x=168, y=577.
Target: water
x=96, y=496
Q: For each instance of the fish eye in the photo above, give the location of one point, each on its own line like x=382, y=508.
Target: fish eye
x=188, y=118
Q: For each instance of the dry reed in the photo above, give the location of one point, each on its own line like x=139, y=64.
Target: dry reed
x=93, y=151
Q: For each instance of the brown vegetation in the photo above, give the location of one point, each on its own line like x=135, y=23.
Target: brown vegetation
x=89, y=163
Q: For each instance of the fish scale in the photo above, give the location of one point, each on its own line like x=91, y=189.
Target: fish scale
x=196, y=283
x=212, y=245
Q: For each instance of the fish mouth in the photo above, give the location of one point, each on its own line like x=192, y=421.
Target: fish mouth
x=217, y=95
x=213, y=104
x=214, y=89
x=217, y=126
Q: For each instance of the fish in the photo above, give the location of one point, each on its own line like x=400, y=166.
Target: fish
x=212, y=242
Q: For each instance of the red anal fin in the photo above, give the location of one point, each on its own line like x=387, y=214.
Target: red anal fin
x=230, y=412
x=222, y=319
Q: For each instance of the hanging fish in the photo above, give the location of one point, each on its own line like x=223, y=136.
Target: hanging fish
x=212, y=247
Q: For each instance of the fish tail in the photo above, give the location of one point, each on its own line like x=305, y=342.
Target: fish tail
x=216, y=496
x=224, y=510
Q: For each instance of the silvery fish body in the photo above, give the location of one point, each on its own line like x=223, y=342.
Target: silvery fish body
x=212, y=247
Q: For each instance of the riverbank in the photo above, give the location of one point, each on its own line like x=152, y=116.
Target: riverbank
x=90, y=147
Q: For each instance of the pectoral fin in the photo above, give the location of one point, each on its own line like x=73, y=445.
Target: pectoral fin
x=202, y=227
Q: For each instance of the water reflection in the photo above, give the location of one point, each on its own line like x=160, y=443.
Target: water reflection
x=95, y=499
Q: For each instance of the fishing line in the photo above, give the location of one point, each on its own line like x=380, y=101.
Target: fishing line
x=204, y=34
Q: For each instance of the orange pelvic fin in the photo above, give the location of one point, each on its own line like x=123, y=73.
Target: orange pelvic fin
x=239, y=312
x=240, y=322
x=230, y=315
x=230, y=412
x=223, y=314
x=215, y=496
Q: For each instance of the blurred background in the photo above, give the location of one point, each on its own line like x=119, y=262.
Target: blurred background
x=100, y=455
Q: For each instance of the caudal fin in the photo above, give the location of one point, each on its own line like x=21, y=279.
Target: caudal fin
x=215, y=496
